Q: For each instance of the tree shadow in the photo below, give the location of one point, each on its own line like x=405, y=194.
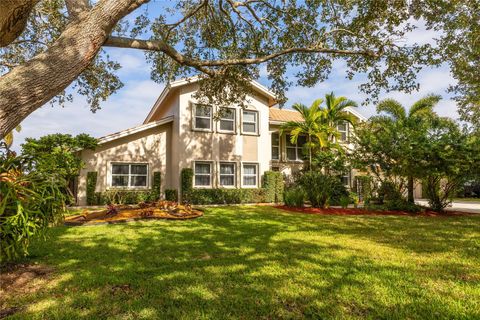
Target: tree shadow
x=258, y=262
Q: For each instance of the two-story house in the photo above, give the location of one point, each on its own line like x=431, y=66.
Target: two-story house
x=230, y=152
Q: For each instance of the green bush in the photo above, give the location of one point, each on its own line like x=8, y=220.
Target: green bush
x=227, y=196
x=388, y=191
x=171, y=195
x=122, y=196
x=345, y=201
x=156, y=186
x=321, y=189
x=186, y=184
x=354, y=199
x=274, y=185
x=91, y=183
x=365, y=188
x=294, y=197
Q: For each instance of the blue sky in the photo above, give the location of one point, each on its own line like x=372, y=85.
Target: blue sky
x=130, y=105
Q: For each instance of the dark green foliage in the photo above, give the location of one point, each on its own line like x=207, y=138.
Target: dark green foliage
x=156, y=185
x=321, y=189
x=274, y=185
x=186, y=184
x=227, y=196
x=294, y=197
x=122, y=196
x=29, y=202
x=364, y=187
x=345, y=201
x=171, y=195
x=92, y=197
x=388, y=191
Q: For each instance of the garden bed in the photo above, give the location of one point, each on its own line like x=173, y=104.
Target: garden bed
x=159, y=210
x=361, y=211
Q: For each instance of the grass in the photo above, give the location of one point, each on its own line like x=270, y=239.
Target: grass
x=261, y=263
x=475, y=200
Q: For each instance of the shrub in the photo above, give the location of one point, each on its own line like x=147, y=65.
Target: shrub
x=186, y=184
x=156, y=185
x=320, y=189
x=365, y=188
x=294, y=197
x=30, y=200
x=171, y=195
x=354, y=199
x=345, y=201
x=227, y=196
x=91, y=184
x=388, y=191
x=274, y=185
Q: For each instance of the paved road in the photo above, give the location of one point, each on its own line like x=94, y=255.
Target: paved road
x=464, y=206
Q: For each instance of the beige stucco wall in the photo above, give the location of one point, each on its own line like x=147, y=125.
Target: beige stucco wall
x=150, y=146
x=189, y=145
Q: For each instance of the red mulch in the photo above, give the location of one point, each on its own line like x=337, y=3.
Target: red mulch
x=363, y=212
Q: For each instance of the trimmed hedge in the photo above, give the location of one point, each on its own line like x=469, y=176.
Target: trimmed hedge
x=156, y=185
x=91, y=183
x=274, y=185
x=171, y=195
x=186, y=184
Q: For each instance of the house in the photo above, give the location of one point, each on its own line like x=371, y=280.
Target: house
x=231, y=152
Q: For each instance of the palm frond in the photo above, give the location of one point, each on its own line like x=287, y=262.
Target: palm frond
x=392, y=108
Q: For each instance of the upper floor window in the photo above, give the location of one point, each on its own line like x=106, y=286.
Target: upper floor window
x=129, y=175
x=202, y=117
x=250, y=175
x=295, y=150
x=275, y=146
x=250, y=121
x=203, y=174
x=343, y=130
x=227, y=174
x=227, y=120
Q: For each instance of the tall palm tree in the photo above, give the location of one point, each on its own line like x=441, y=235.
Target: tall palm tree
x=394, y=116
x=335, y=113
x=311, y=126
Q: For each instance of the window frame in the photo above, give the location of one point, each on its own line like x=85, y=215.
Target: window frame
x=219, y=174
x=257, y=125
x=194, y=117
x=257, y=170
x=130, y=164
x=276, y=146
x=234, y=120
x=346, y=131
x=211, y=174
x=298, y=149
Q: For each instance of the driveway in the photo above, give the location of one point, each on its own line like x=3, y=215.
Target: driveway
x=465, y=206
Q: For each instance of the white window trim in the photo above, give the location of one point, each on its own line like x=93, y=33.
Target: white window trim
x=276, y=146
x=257, y=123
x=194, y=116
x=297, y=150
x=234, y=131
x=110, y=175
x=234, y=174
x=346, y=131
x=257, y=174
x=211, y=174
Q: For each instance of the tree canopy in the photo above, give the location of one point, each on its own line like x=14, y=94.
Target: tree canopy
x=46, y=46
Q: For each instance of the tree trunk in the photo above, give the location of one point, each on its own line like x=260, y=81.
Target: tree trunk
x=410, y=190
x=32, y=84
x=13, y=19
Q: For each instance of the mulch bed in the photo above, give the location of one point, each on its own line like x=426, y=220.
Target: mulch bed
x=127, y=215
x=363, y=212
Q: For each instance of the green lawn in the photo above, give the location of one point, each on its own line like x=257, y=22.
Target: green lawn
x=477, y=200
x=262, y=263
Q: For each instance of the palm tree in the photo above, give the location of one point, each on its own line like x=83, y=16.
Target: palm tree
x=335, y=113
x=311, y=126
x=394, y=116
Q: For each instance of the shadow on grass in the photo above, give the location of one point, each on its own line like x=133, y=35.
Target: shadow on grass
x=258, y=262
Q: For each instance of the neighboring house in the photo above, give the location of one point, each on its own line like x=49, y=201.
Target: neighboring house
x=231, y=152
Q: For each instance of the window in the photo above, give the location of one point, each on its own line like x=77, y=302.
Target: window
x=343, y=130
x=295, y=150
x=346, y=180
x=227, y=120
x=250, y=121
x=250, y=175
x=275, y=146
x=129, y=175
x=202, y=117
x=227, y=174
x=203, y=174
